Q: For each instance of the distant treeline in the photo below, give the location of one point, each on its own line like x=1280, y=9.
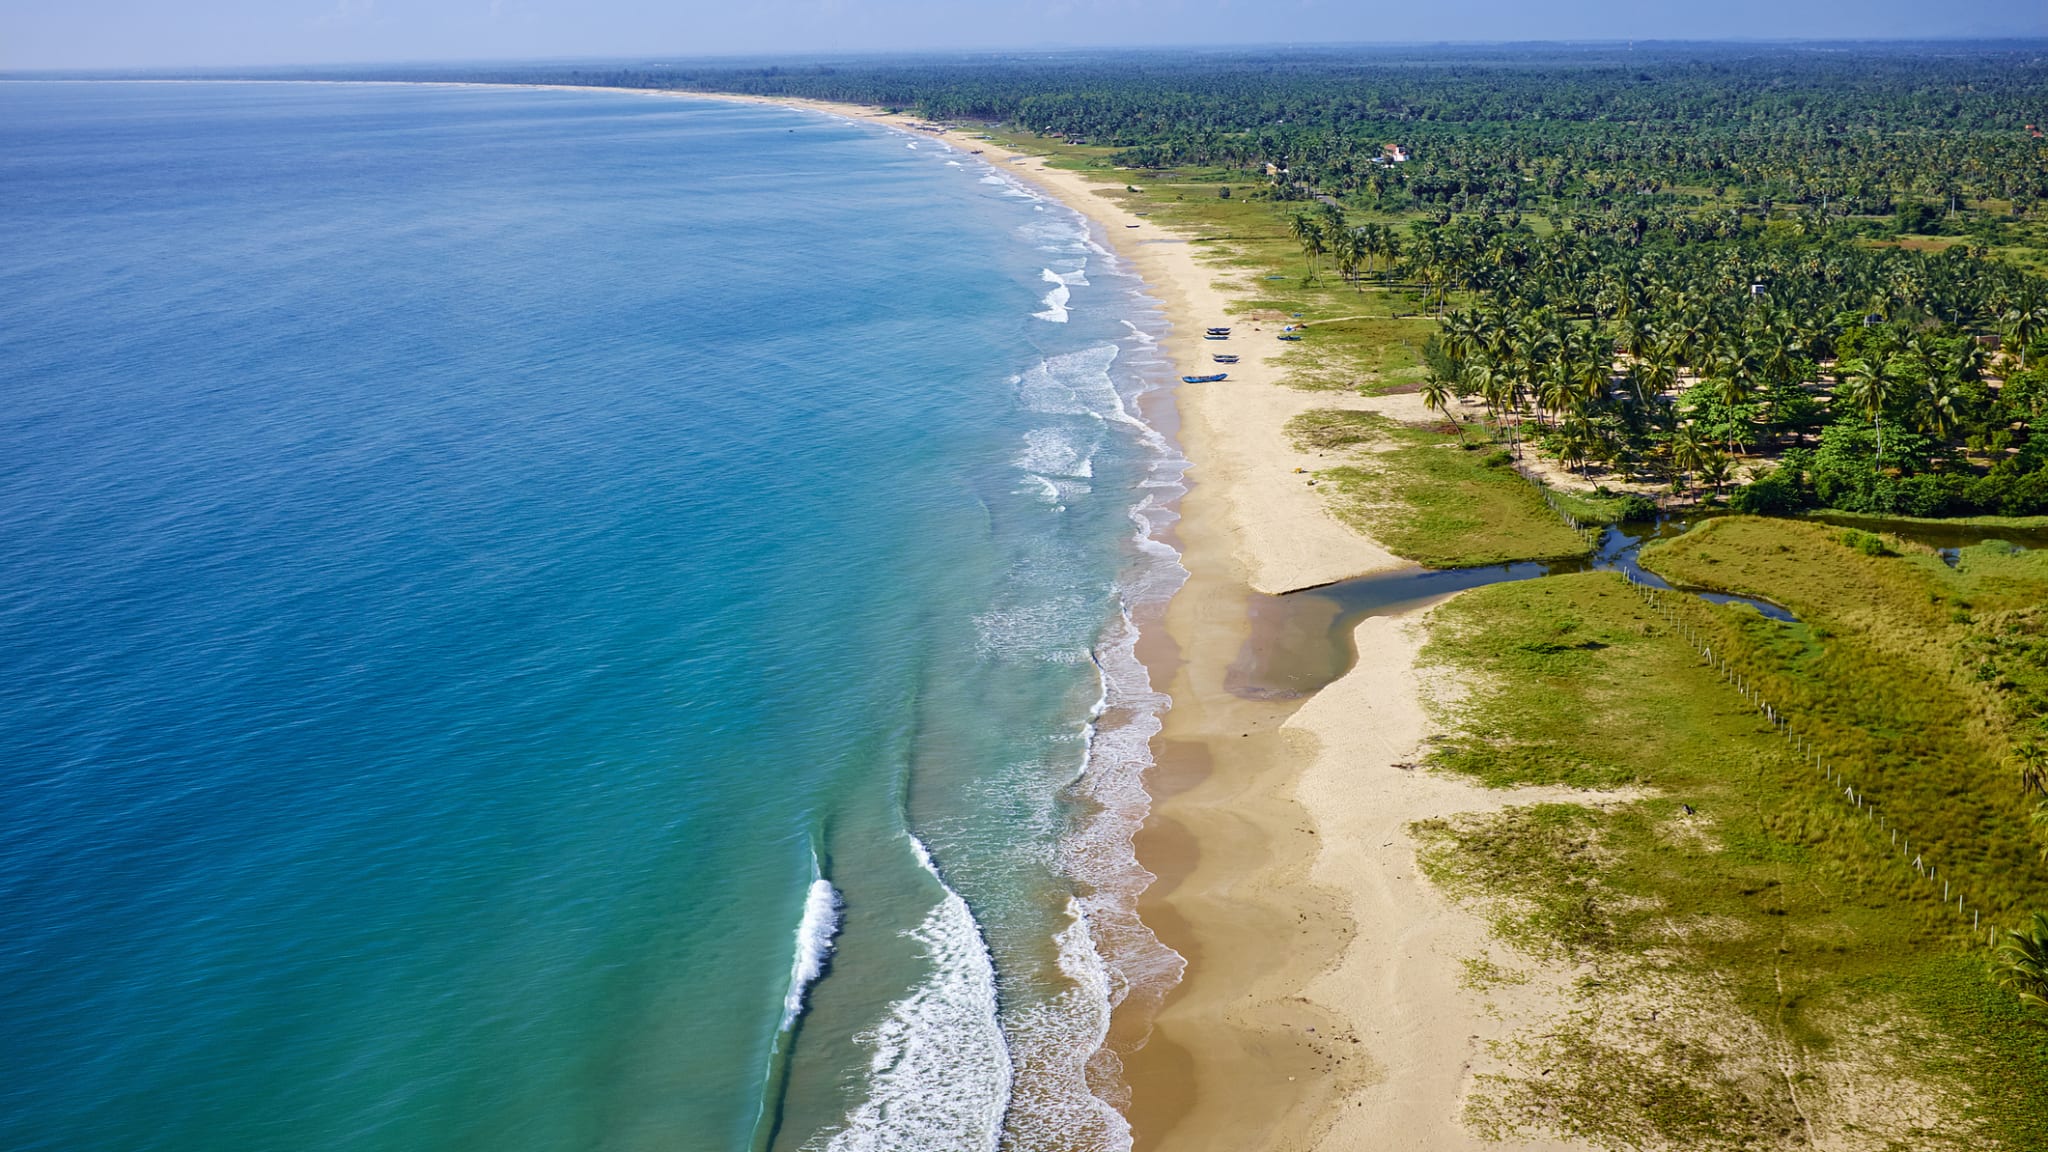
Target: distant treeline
x=1856, y=127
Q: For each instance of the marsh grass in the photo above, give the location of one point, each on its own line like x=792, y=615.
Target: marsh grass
x=1913, y=679
x=1766, y=927
x=1431, y=496
x=1591, y=508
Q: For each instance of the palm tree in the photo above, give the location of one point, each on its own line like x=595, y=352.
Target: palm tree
x=1869, y=385
x=1938, y=406
x=1309, y=234
x=2023, y=962
x=1437, y=395
x=1715, y=469
x=2022, y=323
x=1688, y=452
x=2032, y=763
x=1349, y=250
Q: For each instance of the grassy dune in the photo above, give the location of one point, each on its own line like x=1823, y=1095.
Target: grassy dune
x=1749, y=974
x=1431, y=497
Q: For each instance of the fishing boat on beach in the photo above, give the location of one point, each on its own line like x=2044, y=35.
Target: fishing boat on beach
x=1219, y=331
x=1205, y=379
x=1290, y=337
x=1224, y=358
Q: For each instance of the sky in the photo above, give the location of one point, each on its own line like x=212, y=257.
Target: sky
x=38, y=34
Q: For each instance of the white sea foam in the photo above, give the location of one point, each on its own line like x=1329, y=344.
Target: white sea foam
x=814, y=936
x=1065, y=1079
x=1074, y=384
x=1130, y=965
x=1057, y=452
x=1042, y=630
x=1055, y=301
x=1064, y=236
x=954, y=164
x=1010, y=187
x=940, y=1072
x=1140, y=335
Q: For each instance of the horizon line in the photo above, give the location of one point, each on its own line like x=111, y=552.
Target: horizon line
x=1271, y=48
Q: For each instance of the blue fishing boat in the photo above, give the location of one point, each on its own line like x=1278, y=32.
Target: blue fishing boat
x=1290, y=337
x=1224, y=358
x=1205, y=379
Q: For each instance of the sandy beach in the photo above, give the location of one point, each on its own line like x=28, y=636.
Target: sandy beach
x=1322, y=1005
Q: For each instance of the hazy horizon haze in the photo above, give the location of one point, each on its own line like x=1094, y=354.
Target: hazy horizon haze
x=95, y=34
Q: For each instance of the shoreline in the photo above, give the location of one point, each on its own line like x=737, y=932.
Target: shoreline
x=1260, y=1045
x=1266, y=1041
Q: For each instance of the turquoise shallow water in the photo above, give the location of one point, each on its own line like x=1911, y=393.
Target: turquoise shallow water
x=482, y=563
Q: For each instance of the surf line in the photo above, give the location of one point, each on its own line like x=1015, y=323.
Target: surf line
x=815, y=935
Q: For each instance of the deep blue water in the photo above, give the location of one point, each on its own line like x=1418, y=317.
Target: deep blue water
x=474, y=559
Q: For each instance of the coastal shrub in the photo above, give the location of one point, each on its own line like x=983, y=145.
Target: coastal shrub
x=1778, y=492
x=1868, y=543
x=1635, y=506
x=1498, y=458
x=2022, y=963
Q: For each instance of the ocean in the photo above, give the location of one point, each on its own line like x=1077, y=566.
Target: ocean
x=551, y=619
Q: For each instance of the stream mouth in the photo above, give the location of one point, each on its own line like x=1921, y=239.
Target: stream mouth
x=1301, y=641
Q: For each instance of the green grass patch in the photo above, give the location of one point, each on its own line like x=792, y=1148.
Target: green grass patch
x=1430, y=496
x=1994, y=523
x=1915, y=679
x=1596, y=508
x=1369, y=351
x=1765, y=933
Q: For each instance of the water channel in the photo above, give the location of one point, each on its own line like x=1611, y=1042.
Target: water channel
x=1302, y=640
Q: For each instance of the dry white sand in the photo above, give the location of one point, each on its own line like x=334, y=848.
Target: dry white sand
x=1398, y=983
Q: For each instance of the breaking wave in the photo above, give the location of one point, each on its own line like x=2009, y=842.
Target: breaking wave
x=939, y=1076
x=814, y=936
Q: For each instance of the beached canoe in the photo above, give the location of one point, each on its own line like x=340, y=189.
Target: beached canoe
x=1224, y=358
x=1205, y=379
x=1214, y=336
x=1219, y=331
x=1290, y=337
